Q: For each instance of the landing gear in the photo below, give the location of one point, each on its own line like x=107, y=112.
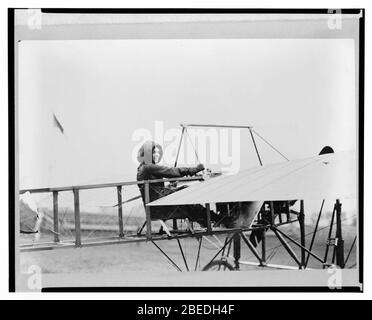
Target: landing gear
x=219, y=265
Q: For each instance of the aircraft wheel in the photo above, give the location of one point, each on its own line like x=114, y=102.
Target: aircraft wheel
x=218, y=265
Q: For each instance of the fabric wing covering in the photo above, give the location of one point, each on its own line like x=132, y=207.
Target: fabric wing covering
x=329, y=176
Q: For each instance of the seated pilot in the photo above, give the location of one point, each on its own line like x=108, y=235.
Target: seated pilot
x=149, y=155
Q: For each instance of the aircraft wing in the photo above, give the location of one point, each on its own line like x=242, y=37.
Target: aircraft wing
x=332, y=176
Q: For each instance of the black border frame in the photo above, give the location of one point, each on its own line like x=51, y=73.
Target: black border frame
x=11, y=145
x=11, y=148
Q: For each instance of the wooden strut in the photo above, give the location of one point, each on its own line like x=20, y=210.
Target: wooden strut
x=108, y=185
x=167, y=257
x=141, y=229
x=183, y=255
x=179, y=146
x=350, y=250
x=297, y=243
x=129, y=238
x=120, y=211
x=228, y=249
x=255, y=146
x=55, y=217
x=208, y=213
x=222, y=249
x=329, y=236
x=286, y=246
x=301, y=220
x=175, y=226
x=235, y=239
x=237, y=249
x=263, y=247
x=252, y=249
x=77, y=218
x=223, y=254
x=340, y=259
x=237, y=245
x=148, y=212
x=338, y=255
x=198, y=253
x=314, y=233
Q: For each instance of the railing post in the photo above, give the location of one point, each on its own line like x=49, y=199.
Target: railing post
x=148, y=211
x=208, y=211
x=120, y=211
x=77, y=217
x=55, y=216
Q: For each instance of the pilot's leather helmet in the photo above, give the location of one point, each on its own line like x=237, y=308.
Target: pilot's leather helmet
x=145, y=153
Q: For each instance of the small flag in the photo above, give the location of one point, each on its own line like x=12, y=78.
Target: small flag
x=57, y=124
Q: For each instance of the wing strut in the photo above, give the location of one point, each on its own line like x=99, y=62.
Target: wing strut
x=255, y=146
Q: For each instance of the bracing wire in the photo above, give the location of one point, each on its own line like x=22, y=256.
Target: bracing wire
x=212, y=243
x=268, y=143
x=350, y=250
x=196, y=154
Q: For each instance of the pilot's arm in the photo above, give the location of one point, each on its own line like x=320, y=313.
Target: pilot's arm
x=171, y=172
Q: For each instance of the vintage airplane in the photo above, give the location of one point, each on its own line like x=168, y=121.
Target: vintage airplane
x=263, y=196
x=252, y=202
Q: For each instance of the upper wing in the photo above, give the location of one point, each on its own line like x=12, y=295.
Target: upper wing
x=330, y=176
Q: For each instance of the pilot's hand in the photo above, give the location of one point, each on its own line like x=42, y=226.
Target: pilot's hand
x=207, y=174
x=200, y=167
x=173, y=184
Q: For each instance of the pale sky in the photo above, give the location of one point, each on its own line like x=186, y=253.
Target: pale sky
x=297, y=93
